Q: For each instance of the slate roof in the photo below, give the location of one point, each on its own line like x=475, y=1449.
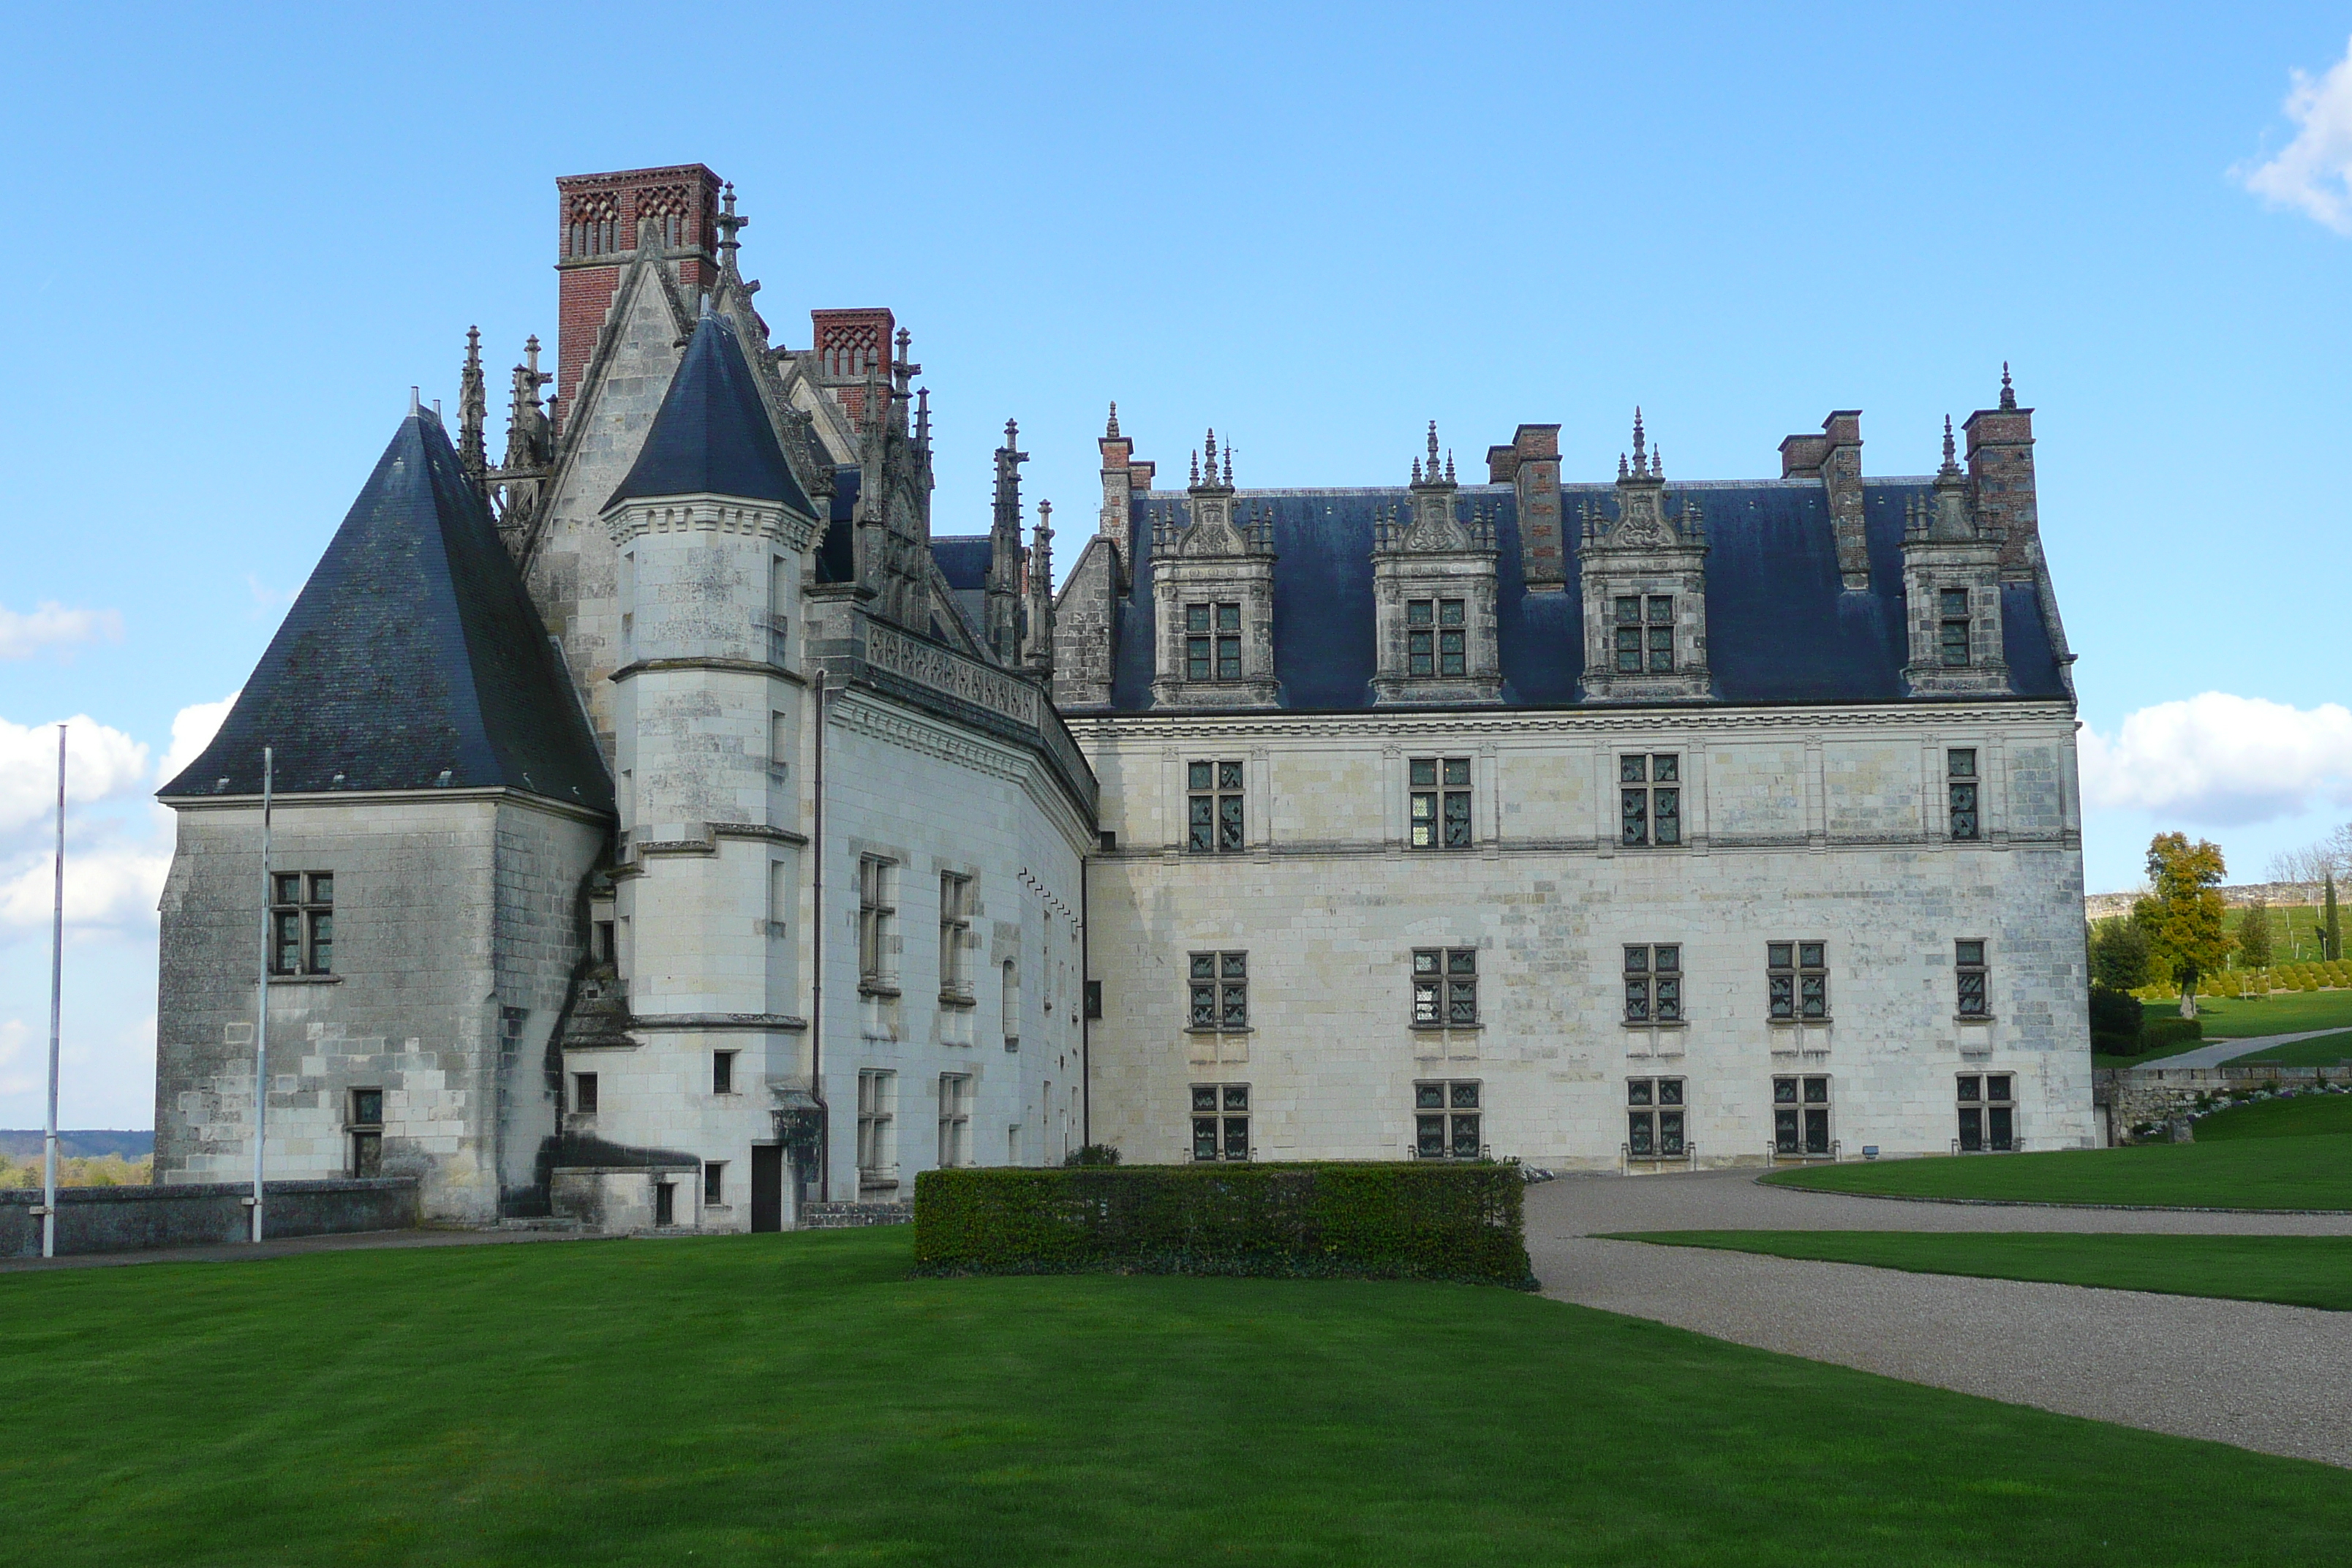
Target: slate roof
x=1780, y=626
x=712, y=436
x=963, y=561
x=412, y=650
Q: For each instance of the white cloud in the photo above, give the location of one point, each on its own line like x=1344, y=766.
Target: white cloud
x=51, y=624
x=102, y=764
x=2221, y=760
x=107, y=884
x=192, y=729
x=2314, y=172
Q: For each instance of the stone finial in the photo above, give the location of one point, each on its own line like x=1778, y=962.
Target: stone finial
x=1449, y=465
x=1639, y=466
x=473, y=410
x=1196, y=467
x=1229, y=464
x=1432, y=449
x=1950, y=467
x=2008, y=393
x=1110, y=430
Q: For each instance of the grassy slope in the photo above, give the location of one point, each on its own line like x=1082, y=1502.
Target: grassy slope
x=2256, y=1173
x=2302, y=1116
x=2297, y=1270
x=790, y=1398
x=2292, y=1011
x=2326, y=1050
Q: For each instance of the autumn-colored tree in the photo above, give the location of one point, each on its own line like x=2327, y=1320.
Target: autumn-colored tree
x=2184, y=916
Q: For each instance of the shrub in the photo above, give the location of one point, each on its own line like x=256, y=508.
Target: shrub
x=2159, y=1033
x=1418, y=1220
x=1092, y=1154
x=2116, y=1019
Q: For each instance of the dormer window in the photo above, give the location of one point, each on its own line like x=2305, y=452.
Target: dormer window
x=1953, y=605
x=1212, y=642
x=1436, y=637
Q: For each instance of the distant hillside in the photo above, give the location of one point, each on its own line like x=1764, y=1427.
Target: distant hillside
x=2105, y=906
x=85, y=1145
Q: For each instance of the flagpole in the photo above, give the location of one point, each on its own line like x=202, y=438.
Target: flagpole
x=261, y=1010
x=57, y=1008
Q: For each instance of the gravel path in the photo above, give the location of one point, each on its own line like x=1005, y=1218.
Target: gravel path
x=2221, y=1051
x=2275, y=1379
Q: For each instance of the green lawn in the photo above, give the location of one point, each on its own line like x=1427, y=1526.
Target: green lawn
x=2302, y=1115
x=2296, y=1271
x=2325, y=1051
x=2252, y=1174
x=2288, y=1013
x=797, y=1399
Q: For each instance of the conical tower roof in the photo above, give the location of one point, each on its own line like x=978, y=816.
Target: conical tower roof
x=712, y=436
x=413, y=659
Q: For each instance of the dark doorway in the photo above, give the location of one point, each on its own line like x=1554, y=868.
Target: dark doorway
x=767, y=1186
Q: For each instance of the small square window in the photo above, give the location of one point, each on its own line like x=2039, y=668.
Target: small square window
x=722, y=1072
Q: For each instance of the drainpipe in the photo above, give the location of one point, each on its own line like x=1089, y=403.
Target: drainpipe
x=816, y=962
x=1086, y=1021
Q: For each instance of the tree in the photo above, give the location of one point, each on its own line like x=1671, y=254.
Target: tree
x=2331, y=933
x=2119, y=955
x=2255, y=934
x=2184, y=916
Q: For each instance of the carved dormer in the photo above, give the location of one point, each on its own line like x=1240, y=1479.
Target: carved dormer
x=1213, y=591
x=891, y=535
x=1433, y=594
x=1952, y=591
x=1645, y=590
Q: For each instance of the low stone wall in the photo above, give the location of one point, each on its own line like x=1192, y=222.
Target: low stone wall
x=848, y=1216
x=202, y=1214
x=2133, y=1096
x=2104, y=905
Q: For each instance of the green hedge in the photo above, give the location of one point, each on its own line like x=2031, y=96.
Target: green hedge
x=2160, y=1033
x=1412, y=1220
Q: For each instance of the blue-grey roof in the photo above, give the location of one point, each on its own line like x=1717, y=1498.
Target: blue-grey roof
x=1780, y=626
x=712, y=436
x=412, y=650
x=963, y=559
x=836, y=554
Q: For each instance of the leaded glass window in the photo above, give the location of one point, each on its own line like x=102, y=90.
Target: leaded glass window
x=1219, y=994
x=1440, y=802
x=1445, y=986
x=1212, y=642
x=1221, y=1122
x=1654, y=1117
x=1650, y=800
x=1953, y=634
x=1654, y=983
x=302, y=922
x=1797, y=979
x=1447, y=1119
x=1969, y=957
x=1213, y=807
x=1988, y=1113
x=1800, y=1115
x=1960, y=782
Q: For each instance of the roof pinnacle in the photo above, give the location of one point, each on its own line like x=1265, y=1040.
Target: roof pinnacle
x=2008, y=393
x=1110, y=430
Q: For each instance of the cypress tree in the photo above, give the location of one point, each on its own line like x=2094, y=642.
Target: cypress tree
x=2331, y=934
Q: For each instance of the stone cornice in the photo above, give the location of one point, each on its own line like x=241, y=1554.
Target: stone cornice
x=500, y=795
x=737, y=665
x=1552, y=722
x=643, y=515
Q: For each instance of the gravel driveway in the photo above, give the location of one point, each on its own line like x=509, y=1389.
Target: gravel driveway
x=2221, y=1051
x=2277, y=1379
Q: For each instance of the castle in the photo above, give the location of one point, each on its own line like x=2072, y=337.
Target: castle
x=670, y=829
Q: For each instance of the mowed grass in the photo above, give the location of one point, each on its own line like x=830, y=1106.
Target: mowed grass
x=2312, y=1173
x=2296, y=1270
x=797, y=1399
x=2323, y=1051
x=2286, y=1013
x=2298, y=1116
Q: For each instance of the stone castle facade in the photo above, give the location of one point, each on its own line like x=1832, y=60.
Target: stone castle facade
x=670, y=828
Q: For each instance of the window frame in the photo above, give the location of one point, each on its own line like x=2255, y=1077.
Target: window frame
x=1658, y=973
x=1221, y=1119
x=955, y=1098
x=1445, y=992
x=301, y=924
x=1963, y=797
x=714, y=1184
x=1657, y=1115
x=1650, y=800
x=878, y=924
x=1797, y=981
x=1437, y=638
x=1450, y=1108
x=1213, y=641
x=1990, y=1098
x=1440, y=808
x=956, y=906
x=1216, y=808
x=585, y=1096
x=878, y=1115
x=364, y=1134
x=1221, y=977
x=1972, y=979
x=722, y=1071
x=1641, y=634
x=1807, y=1105
x=1953, y=624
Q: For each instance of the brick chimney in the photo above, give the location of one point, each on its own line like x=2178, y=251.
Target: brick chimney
x=1530, y=465
x=851, y=348
x=1835, y=457
x=2000, y=481
x=602, y=217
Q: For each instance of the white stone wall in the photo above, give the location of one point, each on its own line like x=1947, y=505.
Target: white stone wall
x=933, y=797
x=449, y=909
x=1799, y=826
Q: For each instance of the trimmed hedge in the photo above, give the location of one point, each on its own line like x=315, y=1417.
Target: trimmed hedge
x=2159, y=1033
x=1391, y=1220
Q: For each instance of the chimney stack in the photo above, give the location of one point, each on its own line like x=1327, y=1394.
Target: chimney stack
x=602, y=220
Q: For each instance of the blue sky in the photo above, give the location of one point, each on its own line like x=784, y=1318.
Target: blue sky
x=242, y=233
